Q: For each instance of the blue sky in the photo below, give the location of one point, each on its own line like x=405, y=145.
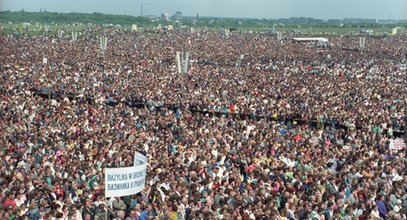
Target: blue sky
x=381, y=9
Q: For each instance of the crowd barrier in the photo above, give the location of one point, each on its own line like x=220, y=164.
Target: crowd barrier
x=292, y=120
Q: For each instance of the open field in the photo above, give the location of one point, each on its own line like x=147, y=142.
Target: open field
x=40, y=29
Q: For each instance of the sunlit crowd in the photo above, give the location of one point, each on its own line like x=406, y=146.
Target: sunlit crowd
x=257, y=128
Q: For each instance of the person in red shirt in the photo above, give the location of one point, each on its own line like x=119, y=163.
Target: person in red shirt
x=216, y=184
x=58, y=190
x=232, y=108
x=10, y=201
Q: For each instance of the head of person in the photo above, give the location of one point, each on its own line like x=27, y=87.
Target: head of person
x=120, y=214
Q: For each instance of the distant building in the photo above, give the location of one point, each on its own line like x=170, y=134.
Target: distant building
x=301, y=20
x=177, y=16
x=311, y=20
x=359, y=21
x=298, y=20
x=334, y=21
x=165, y=16
x=386, y=21
x=318, y=21
x=283, y=20
x=152, y=17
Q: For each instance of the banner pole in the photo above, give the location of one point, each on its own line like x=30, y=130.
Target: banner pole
x=106, y=210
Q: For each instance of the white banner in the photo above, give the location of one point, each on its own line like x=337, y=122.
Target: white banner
x=397, y=144
x=124, y=181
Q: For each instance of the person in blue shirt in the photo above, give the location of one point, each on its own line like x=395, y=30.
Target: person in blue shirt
x=144, y=215
x=382, y=206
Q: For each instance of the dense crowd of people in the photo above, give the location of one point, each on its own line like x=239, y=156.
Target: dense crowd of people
x=65, y=120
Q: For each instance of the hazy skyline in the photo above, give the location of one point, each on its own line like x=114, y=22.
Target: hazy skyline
x=378, y=9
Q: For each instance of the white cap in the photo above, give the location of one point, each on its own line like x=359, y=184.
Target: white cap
x=399, y=201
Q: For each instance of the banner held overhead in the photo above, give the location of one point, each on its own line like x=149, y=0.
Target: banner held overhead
x=124, y=181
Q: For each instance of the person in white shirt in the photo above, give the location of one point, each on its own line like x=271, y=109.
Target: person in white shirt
x=21, y=199
x=397, y=207
x=183, y=207
x=375, y=213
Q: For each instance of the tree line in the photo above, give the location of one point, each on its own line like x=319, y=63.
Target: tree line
x=70, y=18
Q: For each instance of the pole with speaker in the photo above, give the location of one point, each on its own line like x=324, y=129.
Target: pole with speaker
x=279, y=36
x=362, y=42
x=74, y=35
x=182, y=61
x=103, y=44
x=60, y=33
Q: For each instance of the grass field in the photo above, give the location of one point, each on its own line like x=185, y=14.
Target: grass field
x=39, y=29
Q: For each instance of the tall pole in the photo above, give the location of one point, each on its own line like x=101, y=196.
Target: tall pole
x=103, y=44
x=141, y=10
x=186, y=62
x=74, y=36
x=178, y=61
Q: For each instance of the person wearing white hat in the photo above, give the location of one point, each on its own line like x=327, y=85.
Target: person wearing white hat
x=397, y=207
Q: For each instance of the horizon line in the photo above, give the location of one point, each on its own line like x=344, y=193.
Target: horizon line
x=209, y=16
